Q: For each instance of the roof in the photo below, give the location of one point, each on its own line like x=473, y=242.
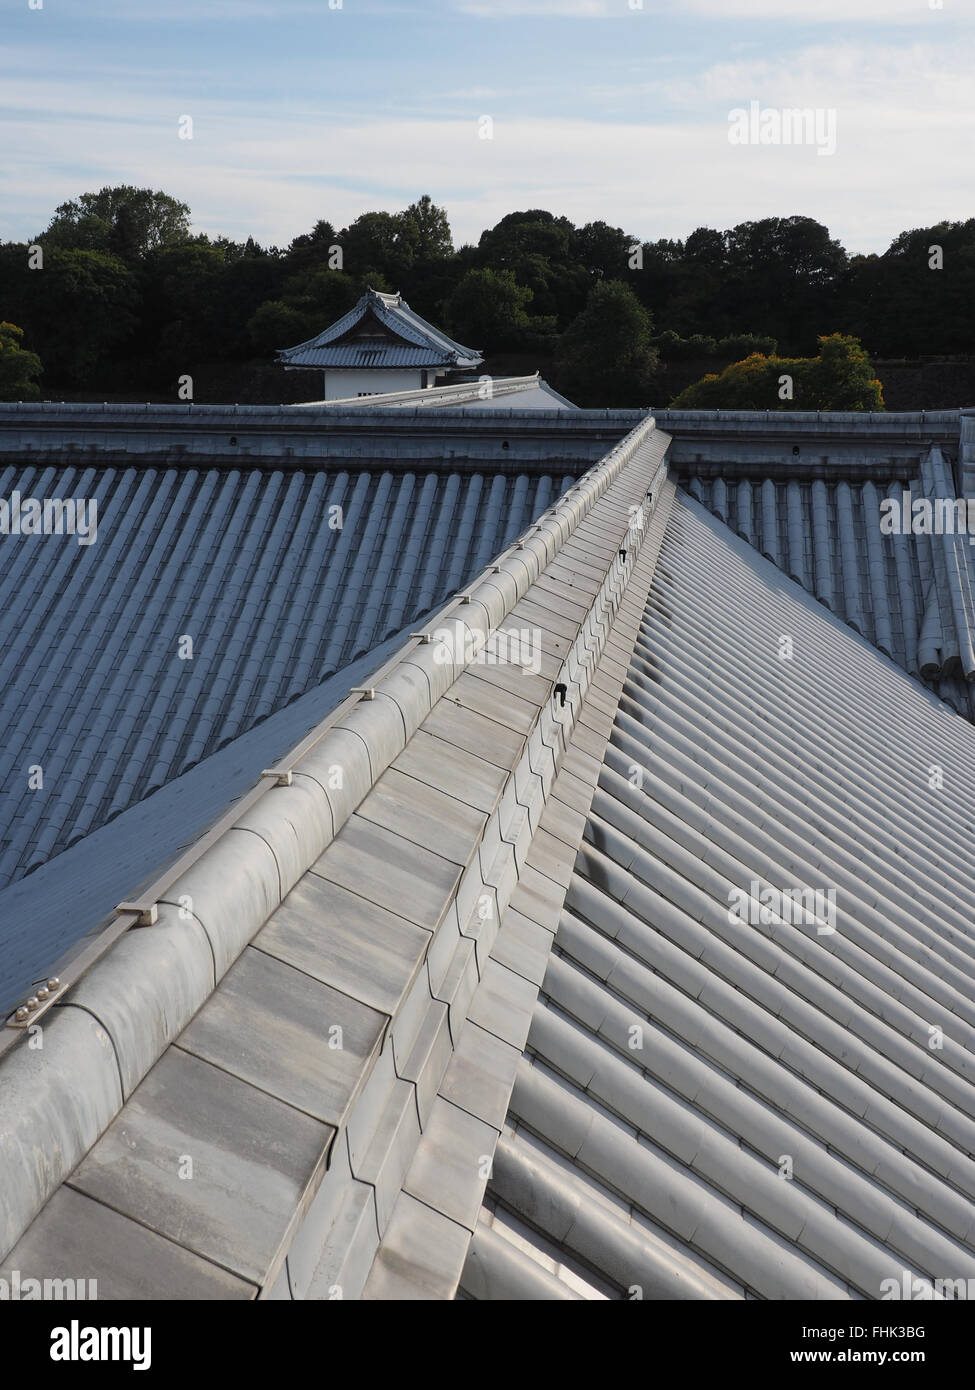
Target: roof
x=439, y=713
x=250, y=566
x=400, y=338
x=493, y=917
x=486, y=393
x=219, y=524
x=467, y=436
x=913, y=596
x=680, y=1063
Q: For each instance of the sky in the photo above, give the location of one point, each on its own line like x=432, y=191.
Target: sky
x=618, y=110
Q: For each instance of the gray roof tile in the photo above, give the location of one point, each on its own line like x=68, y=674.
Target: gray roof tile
x=288, y=1034
x=422, y=1254
x=425, y=814
x=123, y=1259
x=404, y=339
x=416, y=883
x=339, y=937
x=253, y=1159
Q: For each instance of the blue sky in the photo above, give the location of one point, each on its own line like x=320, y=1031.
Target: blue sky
x=611, y=109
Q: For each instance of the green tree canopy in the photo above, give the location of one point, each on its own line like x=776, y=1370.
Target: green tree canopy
x=839, y=378
x=156, y=299
x=312, y=248
x=426, y=230
x=606, y=356
x=487, y=311
x=915, y=299
x=308, y=304
x=673, y=348
x=602, y=250
x=520, y=234
x=376, y=244
x=123, y=221
x=18, y=368
x=79, y=308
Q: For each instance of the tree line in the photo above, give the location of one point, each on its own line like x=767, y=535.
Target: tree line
x=118, y=295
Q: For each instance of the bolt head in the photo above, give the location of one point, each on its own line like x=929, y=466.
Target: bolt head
x=43, y=992
x=33, y=1002
x=54, y=982
x=21, y=1014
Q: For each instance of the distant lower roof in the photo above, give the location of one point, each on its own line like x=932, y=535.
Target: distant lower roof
x=912, y=595
x=379, y=332
x=487, y=393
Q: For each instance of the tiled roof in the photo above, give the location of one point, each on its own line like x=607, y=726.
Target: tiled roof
x=513, y=905
x=913, y=596
x=344, y=356
x=395, y=860
x=420, y=343
x=246, y=564
x=711, y=1109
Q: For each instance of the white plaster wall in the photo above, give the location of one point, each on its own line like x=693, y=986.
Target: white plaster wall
x=340, y=384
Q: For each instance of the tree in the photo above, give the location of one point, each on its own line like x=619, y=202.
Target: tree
x=309, y=303
x=18, y=368
x=376, y=244
x=520, y=234
x=839, y=378
x=312, y=249
x=606, y=357
x=426, y=230
x=275, y=325
x=536, y=247
x=901, y=304
x=783, y=273
x=707, y=250
x=123, y=221
x=752, y=384
x=487, y=311
x=185, y=308
x=673, y=348
x=79, y=308
x=603, y=250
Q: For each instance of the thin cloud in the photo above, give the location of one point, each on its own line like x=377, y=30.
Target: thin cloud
x=799, y=13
